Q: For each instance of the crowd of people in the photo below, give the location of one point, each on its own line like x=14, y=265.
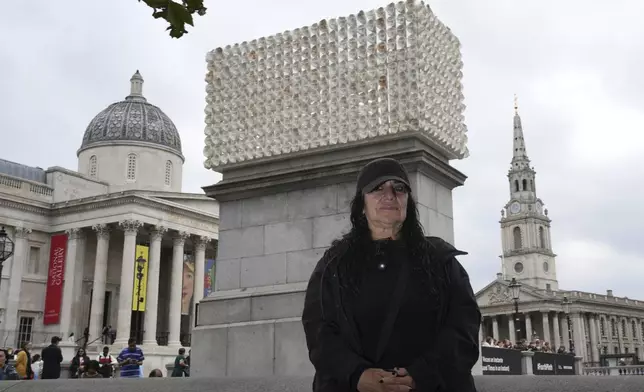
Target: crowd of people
x=47, y=364
x=535, y=344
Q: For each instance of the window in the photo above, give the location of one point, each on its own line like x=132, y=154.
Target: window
x=634, y=329
x=25, y=329
x=605, y=350
x=93, y=166
x=34, y=260
x=168, y=173
x=542, y=238
x=616, y=350
x=532, y=185
x=516, y=233
x=625, y=350
x=525, y=185
x=516, y=185
x=602, y=327
x=131, y=167
x=623, y=328
x=642, y=330
x=613, y=329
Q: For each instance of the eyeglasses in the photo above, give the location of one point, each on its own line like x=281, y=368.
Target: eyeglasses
x=398, y=187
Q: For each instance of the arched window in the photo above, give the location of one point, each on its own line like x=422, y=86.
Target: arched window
x=516, y=185
x=516, y=233
x=93, y=166
x=168, y=173
x=131, y=167
x=542, y=238
x=525, y=185
x=623, y=328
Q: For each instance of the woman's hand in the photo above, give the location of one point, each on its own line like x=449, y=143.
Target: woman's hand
x=371, y=380
x=401, y=381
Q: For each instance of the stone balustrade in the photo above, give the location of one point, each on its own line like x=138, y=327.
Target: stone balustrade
x=19, y=186
x=303, y=384
x=629, y=370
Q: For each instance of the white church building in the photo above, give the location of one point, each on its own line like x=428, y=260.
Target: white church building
x=78, y=236
x=591, y=325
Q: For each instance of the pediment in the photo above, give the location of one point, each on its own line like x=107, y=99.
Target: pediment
x=498, y=293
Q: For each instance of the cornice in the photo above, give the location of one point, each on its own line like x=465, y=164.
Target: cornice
x=25, y=206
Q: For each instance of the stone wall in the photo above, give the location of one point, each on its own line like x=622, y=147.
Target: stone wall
x=483, y=384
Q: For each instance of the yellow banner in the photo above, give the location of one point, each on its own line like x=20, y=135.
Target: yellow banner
x=138, y=297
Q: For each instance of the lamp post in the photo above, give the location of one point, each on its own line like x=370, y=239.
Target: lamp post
x=566, y=303
x=6, y=248
x=140, y=265
x=515, y=289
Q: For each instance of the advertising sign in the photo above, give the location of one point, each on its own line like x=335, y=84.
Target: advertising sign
x=546, y=364
x=500, y=361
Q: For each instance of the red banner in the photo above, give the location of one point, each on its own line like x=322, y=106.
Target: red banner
x=55, y=280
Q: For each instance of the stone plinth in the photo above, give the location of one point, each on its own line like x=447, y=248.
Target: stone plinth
x=276, y=219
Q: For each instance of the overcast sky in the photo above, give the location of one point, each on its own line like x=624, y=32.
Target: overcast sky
x=576, y=66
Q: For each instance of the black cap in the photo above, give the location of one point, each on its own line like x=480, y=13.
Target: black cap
x=379, y=171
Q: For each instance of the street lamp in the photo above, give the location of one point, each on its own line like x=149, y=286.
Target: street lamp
x=566, y=303
x=6, y=248
x=140, y=265
x=515, y=289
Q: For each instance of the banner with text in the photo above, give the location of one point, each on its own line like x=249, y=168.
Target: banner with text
x=501, y=361
x=138, y=296
x=546, y=364
x=209, y=278
x=188, y=288
x=55, y=279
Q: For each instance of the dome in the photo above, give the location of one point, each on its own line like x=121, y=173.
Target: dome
x=132, y=120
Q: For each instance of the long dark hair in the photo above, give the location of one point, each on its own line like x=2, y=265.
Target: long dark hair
x=356, y=246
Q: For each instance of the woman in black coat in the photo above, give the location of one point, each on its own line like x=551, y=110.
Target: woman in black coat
x=79, y=364
x=388, y=309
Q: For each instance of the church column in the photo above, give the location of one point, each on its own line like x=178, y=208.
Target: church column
x=495, y=327
x=557, y=338
x=123, y=327
x=152, y=293
x=594, y=341
x=73, y=237
x=512, y=333
x=18, y=261
x=100, y=279
x=200, y=265
x=176, y=283
x=546, y=327
x=528, y=327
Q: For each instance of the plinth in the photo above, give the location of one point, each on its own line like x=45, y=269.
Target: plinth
x=291, y=119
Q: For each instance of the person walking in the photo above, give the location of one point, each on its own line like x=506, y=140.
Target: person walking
x=51, y=357
x=23, y=362
x=131, y=359
x=386, y=308
x=180, y=364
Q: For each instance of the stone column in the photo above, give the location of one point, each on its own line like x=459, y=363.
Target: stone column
x=594, y=340
x=79, y=320
x=495, y=327
x=123, y=327
x=546, y=327
x=640, y=338
x=512, y=333
x=555, y=324
x=578, y=337
x=528, y=327
x=152, y=293
x=100, y=280
x=200, y=265
x=66, y=325
x=176, y=283
x=18, y=261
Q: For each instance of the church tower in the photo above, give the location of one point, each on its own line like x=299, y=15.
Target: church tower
x=525, y=226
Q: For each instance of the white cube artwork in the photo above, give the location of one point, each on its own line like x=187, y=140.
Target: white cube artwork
x=339, y=81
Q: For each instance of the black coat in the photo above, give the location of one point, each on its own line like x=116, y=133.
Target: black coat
x=334, y=344
x=51, y=357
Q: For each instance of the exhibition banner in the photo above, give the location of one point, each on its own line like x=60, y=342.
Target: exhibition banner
x=209, y=277
x=138, y=297
x=500, y=361
x=547, y=364
x=55, y=279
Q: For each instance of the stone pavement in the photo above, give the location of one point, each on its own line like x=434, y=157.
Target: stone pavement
x=484, y=384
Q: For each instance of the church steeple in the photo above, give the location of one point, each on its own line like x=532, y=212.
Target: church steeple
x=525, y=226
x=136, y=88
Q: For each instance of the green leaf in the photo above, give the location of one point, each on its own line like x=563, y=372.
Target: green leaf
x=156, y=3
x=178, y=15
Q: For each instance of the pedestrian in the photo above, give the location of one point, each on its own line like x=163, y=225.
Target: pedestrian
x=78, y=364
x=7, y=372
x=23, y=362
x=106, y=362
x=51, y=357
x=180, y=364
x=36, y=367
x=386, y=308
x=131, y=359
